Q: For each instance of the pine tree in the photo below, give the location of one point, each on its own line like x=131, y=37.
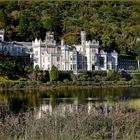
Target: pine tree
x=54, y=74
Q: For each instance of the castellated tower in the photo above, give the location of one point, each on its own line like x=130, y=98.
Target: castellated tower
x=83, y=38
x=37, y=52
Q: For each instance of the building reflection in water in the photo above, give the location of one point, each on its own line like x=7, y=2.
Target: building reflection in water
x=64, y=106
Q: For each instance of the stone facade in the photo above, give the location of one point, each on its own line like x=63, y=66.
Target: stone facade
x=86, y=56
x=16, y=49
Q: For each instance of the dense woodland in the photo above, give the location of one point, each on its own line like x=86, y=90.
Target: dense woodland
x=115, y=24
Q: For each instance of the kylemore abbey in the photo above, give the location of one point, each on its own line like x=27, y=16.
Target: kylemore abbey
x=86, y=56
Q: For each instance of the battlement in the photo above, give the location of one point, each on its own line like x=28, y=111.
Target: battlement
x=36, y=43
x=92, y=43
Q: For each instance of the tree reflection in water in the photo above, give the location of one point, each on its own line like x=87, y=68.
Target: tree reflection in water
x=40, y=102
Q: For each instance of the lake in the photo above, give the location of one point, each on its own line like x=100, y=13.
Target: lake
x=67, y=100
x=70, y=114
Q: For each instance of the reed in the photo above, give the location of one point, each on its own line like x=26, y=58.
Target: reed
x=78, y=125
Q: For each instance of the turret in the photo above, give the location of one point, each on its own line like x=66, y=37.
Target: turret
x=83, y=38
x=62, y=42
x=50, y=38
x=36, y=43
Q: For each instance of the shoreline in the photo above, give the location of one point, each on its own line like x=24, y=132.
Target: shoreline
x=35, y=85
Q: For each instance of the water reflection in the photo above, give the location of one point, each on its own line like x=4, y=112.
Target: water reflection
x=67, y=100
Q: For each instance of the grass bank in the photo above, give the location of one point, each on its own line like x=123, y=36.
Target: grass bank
x=14, y=85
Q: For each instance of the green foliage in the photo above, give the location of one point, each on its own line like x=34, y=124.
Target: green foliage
x=65, y=75
x=54, y=74
x=28, y=69
x=82, y=77
x=112, y=75
x=43, y=76
x=47, y=22
x=73, y=77
x=12, y=67
x=97, y=72
x=135, y=76
x=115, y=24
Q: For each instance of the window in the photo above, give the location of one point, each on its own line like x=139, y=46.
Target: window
x=74, y=57
x=93, y=67
x=101, y=60
x=58, y=59
x=23, y=50
x=58, y=66
x=36, y=60
x=71, y=67
x=74, y=66
x=71, y=58
x=48, y=67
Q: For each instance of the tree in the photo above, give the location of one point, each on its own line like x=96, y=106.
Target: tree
x=46, y=22
x=54, y=74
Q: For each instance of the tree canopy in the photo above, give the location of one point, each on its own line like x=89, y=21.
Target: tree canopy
x=116, y=24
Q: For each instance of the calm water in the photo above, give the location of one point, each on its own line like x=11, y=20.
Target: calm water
x=17, y=101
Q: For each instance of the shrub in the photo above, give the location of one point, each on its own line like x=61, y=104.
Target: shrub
x=122, y=79
x=65, y=75
x=65, y=80
x=82, y=77
x=97, y=78
x=74, y=77
x=97, y=72
x=135, y=76
x=112, y=75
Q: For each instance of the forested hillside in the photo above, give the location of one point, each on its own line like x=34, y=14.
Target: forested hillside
x=114, y=24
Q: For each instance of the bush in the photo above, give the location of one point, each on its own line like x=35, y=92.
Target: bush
x=65, y=75
x=65, y=80
x=74, y=77
x=97, y=78
x=122, y=79
x=134, y=82
x=97, y=72
x=135, y=76
x=112, y=75
x=82, y=77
